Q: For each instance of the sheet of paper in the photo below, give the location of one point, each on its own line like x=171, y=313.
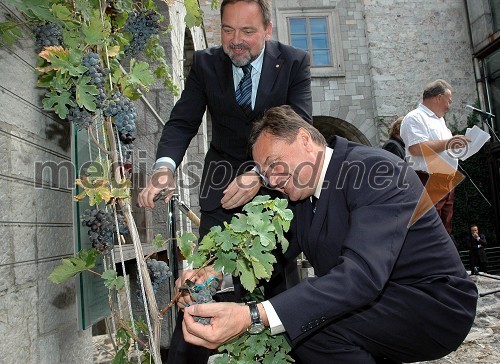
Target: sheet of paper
x=478, y=137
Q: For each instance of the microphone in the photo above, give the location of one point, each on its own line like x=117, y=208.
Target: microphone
x=484, y=113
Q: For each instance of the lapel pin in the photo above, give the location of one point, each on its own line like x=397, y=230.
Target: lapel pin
x=277, y=66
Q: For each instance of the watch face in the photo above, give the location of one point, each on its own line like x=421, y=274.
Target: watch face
x=256, y=328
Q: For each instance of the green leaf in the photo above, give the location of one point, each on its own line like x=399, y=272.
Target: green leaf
x=158, y=241
x=246, y=275
x=85, y=94
x=96, y=31
x=140, y=75
x=84, y=7
x=194, y=15
x=38, y=9
x=61, y=11
x=111, y=280
x=57, y=102
x=239, y=223
x=120, y=357
x=262, y=261
x=226, y=261
x=70, y=267
x=187, y=243
x=9, y=33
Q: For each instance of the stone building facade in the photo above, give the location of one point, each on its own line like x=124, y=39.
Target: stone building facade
x=385, y=52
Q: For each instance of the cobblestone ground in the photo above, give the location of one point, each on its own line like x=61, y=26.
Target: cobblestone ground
x=481, y=346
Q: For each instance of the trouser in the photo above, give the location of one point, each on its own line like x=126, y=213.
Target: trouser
x=398, y=327
x=442, y=193
x=181, y=352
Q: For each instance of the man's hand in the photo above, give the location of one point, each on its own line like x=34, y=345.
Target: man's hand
x=200, y=277
x=241, y=190
x=228, y=320
x=161, y=179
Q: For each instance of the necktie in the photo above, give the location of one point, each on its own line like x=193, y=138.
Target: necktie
x=244, y=90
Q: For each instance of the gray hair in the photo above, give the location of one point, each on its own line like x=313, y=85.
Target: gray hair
x=435, y=88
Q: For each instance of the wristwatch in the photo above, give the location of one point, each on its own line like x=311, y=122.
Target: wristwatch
x=257, y=326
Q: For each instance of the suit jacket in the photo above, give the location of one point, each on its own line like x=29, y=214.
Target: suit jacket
x=285, y=79
x=361, y=248
x=478, y=254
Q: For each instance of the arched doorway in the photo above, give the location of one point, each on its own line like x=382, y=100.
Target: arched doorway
x=330, y=126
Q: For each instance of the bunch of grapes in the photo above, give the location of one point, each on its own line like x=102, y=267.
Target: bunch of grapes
x=203, y=293
x=159, y=271
x=97, y=75
x=102, y=227
x=81, y=117
x=142, y=25
x=123, y=111
x=48, y=34
x=127, y=152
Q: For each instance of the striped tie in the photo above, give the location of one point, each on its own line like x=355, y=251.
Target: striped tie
x=244, y=90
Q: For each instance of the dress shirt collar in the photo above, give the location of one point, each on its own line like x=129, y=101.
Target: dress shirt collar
x=256, y=64
x=428, y=111
x=326, y=163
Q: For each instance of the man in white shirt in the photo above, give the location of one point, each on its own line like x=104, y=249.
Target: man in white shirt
x=430, y=145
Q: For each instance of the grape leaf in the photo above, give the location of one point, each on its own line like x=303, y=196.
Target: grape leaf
x=62, y=60
x=111, y=280
x=9, y=33
x=194, y=15
x=226, y=261
x=140, y=75
x=70, y=267
x=186, y=243
x=262, y=261
x=84, y=7
x=96, y=31
x=158, y=241
x=61, y=12
x=57, y=102
x=85, y=94
x=246, y=275
x=39, y=9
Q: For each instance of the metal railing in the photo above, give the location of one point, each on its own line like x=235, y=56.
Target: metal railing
x=493, y=255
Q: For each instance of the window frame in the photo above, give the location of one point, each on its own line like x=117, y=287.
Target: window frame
x=334, y=41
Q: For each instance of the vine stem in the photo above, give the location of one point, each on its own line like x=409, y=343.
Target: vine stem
x=96, y=142
x=178, y=294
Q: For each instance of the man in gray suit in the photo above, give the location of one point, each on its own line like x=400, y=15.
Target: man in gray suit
x=384, y=289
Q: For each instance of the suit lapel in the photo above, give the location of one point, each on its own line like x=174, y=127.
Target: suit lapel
x=224, y=72
x=318, y=220
x=271, y=67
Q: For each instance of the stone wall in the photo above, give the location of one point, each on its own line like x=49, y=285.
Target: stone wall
x=38, y=319
x=410, y=45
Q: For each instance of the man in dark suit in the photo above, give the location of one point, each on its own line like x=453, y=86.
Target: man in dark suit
x=383, y=289
x=279, y=75
x=477, y=255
